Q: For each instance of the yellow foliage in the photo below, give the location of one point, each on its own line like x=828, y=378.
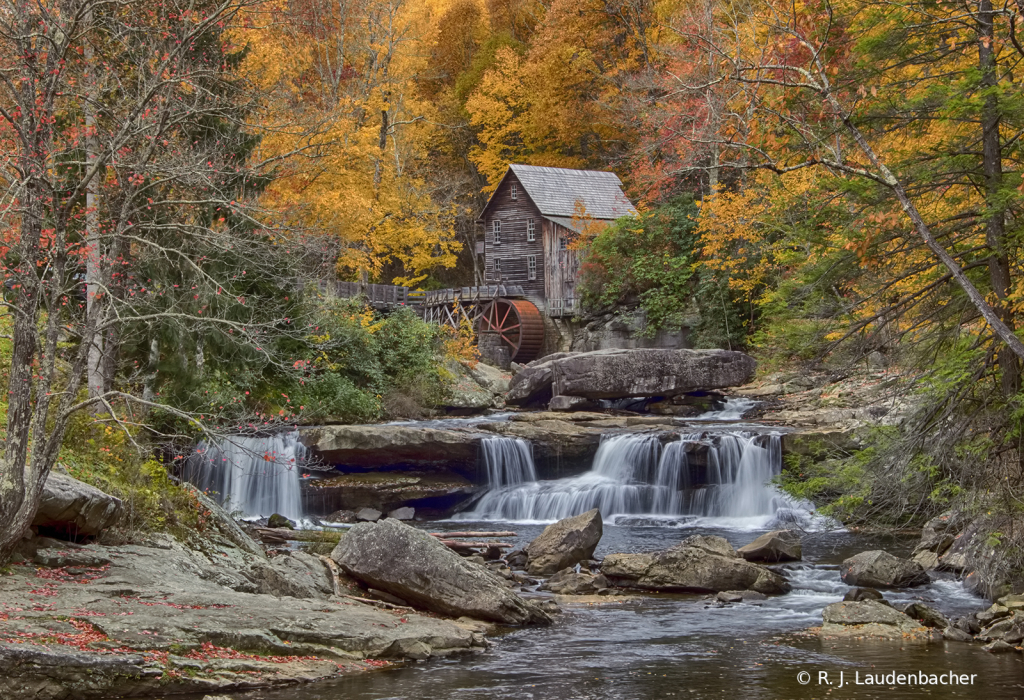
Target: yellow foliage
x=351, y=133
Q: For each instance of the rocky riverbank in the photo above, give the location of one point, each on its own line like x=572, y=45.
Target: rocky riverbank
x=220, y=613
x=216, y=614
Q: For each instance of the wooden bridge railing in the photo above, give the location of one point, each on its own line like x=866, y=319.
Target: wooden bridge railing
x=441, y=306
x=379, y=296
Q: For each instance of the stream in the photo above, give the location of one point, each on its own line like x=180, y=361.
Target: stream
x=653, y=494
x=681, y=646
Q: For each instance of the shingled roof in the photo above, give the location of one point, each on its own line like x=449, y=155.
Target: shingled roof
x=555, y=191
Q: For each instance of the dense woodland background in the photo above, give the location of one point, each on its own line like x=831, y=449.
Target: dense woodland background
x=819, y=183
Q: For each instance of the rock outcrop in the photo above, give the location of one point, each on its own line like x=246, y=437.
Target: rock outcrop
x=775, y=546
x=560, y=448
x=612, y=374
x=475, y=388
x=531, y=385
x=868, y=618
x=72, y=509
x=701, y=564
x=375, y=446
x=937, y=538
x=490, y=378
x=226, y=526
x=159, y=619
x=386, y=491
x=409, y=563
x=879, y=569
x=565, y=543
x=615, y=374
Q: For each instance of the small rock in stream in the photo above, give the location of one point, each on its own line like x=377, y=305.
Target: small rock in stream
x=370, y=515
x=855, y=594
x=278, y=521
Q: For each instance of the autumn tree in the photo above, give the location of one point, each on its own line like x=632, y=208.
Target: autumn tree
x=559, y=101
x=908, y=108
x=348, y=72
x=149, y=120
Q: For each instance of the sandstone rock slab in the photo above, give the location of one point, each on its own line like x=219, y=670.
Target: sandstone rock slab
x=611, y=374
x=879, y=569
x=868, y=618
x=565, y=543
x=775, y=546
x=691, y=568
x=416, y=567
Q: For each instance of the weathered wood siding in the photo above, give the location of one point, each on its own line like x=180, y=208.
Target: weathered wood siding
x=514, y=249
x=561, y=268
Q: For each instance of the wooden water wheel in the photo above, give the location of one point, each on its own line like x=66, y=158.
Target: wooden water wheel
x=518, y=323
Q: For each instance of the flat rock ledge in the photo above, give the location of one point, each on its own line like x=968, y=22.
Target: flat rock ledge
x=158, y=619
x=871, y=619
x=699, y=564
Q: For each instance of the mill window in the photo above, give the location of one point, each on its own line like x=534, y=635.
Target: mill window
x=514, y=191
x=531, y=230
x=496, y=230
x=531, y=267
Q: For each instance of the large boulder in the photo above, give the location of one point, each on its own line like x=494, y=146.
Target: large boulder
x=612, y=374
x=868, y=618
x=531, y=385
x=72, y=509
x=700, y=564
x=879, y=569
x=403, y=561
x=775, y=546
x=929, y=617
x=565, y=543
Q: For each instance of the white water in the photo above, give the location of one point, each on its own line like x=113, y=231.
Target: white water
x=507, y=461
x=733, y=409
x=258, y=476
x=634, y=475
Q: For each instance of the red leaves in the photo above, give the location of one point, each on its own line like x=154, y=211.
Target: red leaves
x=61, y=574
x=87, y=635
x=208, y=651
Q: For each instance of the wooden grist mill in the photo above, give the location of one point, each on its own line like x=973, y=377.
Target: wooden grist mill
x=525, y=253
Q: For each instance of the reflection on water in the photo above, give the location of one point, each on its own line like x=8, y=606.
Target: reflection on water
x=678, y=646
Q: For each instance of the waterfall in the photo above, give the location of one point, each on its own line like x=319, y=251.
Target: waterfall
x=258, y=476
x=634, y=475
x=733, y=409
x=507, y=461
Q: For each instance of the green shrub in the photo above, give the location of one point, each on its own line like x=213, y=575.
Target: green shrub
x=104, y=456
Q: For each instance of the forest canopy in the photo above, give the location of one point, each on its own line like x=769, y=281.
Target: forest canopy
x=817, y=183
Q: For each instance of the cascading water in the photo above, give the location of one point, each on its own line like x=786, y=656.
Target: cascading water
x=507, y=461
x=258, y=476
x=722, y=475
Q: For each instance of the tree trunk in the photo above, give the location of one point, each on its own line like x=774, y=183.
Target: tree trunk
x=992, y=160
x=93, y=260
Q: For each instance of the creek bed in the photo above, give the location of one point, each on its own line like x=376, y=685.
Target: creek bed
x=677, y=646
